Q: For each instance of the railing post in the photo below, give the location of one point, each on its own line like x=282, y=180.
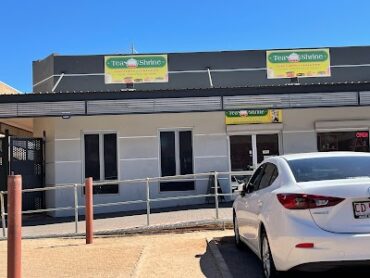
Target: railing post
x=2, y=207
x=76, y=207
x=15, y=226
x=216, y=193
x=89, y=213
x=147, y=202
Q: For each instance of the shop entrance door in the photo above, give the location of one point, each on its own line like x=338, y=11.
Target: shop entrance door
x=26, y=159
x=247, y=151
x=23, y=156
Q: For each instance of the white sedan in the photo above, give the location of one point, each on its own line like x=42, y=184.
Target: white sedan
x=307, y=212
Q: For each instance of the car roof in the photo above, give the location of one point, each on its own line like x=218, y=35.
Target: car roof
x=324, y=154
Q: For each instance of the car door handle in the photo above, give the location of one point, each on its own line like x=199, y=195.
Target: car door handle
x=259, y=203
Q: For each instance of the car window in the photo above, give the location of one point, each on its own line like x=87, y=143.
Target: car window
x=274, y=175
x=329, y=168
x=268, y=172
x=255, y=179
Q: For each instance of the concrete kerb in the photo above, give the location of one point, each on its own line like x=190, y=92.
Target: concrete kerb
x=219, y=259
x=196, y=225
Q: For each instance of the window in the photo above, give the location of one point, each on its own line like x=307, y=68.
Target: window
x=357, y=141
x=269, y=176
x=255, y=179
x=241, y=152
x=101, y=160
x=267, y=146
x=329, y=168
x=176, y=150
x=265, y=175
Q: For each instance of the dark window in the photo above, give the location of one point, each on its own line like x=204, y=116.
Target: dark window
x=330, y=168
x=92, y=160
x=274, y=175
x=241, y=152
x=267, y=145
x=106, y=189
x=186, y=153
x=357, y=141
x=168, y=153
x=94, y=163
x=255, y=179
x=177, y=186
x=267, y=175
x=110, y=156
x=176, y=159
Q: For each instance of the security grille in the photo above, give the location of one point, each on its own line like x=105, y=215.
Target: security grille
x=26, y=159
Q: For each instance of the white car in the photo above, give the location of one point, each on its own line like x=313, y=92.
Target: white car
x=307, y=212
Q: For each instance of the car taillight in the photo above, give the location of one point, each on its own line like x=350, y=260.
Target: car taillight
x=306, y=201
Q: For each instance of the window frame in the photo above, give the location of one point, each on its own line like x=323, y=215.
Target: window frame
x=177, y=155
x=101, y=134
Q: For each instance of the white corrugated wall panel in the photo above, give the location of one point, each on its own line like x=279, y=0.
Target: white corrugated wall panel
x=8, y=110
x=51, y=108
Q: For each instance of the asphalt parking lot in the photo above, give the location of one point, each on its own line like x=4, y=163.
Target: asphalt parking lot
x=244, y=263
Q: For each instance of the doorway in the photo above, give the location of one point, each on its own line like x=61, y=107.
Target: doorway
x=248, y=151
x=24, y=156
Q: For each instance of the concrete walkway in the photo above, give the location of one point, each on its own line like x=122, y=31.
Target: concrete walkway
x=111, y=223
x=162, y=255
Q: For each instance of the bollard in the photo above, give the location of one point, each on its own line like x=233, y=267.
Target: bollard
x=14, y=226
x=89, y=213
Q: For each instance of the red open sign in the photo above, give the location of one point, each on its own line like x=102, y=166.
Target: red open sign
x=362, y=134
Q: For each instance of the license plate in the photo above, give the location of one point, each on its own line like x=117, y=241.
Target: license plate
x=361, y=210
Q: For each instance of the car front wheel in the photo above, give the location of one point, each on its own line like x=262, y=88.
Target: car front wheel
x=268, y=265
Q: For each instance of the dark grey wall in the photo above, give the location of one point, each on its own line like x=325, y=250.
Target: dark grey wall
x=197, y=61
x=41, y=70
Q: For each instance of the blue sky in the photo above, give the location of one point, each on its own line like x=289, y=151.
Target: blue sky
x=31, y=30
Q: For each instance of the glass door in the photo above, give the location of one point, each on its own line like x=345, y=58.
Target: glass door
x=267, y=145
x=248, y=151
x=241, y=154
x=241, y=159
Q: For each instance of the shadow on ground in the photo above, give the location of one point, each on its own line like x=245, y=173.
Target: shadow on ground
x=208, y=264
x=244, y=263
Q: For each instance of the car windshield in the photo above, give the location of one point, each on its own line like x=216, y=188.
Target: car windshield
x=330, y=168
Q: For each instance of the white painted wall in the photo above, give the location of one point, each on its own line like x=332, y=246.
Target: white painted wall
x=138, y=148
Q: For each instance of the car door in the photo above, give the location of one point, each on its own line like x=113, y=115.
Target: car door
x=257, y=202
x=246, y=203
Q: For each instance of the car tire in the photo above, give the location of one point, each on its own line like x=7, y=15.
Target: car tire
x=238, y=242
x=268, y=265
